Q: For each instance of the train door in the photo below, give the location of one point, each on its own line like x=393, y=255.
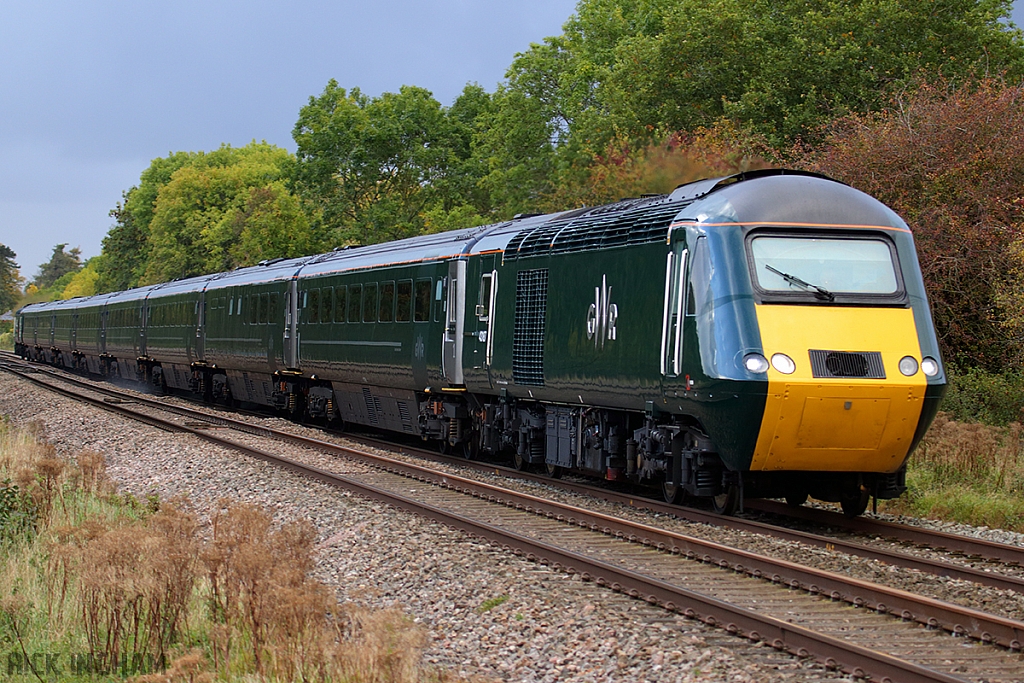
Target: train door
x=291, y=334
x=481, y=339
x=143, y=327
x=455, y=323
x=673, y=313
x=103, y=330
x=200, y=338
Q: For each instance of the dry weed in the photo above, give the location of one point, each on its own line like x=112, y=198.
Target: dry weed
x=93, y=468
x=970, y=453
x=381, y=646
x=259, y=583
x=188, y=668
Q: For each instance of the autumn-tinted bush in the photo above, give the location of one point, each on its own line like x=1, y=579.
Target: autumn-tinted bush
x=629, y=169
x=949, y=158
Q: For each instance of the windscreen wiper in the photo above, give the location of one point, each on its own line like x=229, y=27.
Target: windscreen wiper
x=819, y=292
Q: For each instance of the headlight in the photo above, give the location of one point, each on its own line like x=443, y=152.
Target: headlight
x=783, y=364
x=930, y=366
x=755, y=362
x=908, y=366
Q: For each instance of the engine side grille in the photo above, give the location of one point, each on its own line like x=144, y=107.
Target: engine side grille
x=862, y=364
x=528, y=334
x=625, y=223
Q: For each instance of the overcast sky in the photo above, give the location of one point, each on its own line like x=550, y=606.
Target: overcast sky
x=91, y=92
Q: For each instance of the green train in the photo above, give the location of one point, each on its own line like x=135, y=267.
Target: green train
x=765, y=334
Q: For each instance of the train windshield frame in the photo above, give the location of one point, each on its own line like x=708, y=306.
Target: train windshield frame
x=825, y=268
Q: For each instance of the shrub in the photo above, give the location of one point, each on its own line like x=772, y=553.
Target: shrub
x=975, y=395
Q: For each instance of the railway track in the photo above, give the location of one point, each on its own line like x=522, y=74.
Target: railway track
x=999, y=556
x=1002, y=565
x=808, y=612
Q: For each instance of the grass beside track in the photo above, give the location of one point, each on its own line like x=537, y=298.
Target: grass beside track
x=966, y=472
x=103, y=586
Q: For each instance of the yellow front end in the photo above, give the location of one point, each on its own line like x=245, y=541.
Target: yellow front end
x=838, y=424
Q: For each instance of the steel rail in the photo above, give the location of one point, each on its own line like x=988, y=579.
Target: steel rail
x=955, y=542
x=803, y=642
x=966, y=545
x=831, y=543
x=937, y=567
x=834, y=653
x=955, y=619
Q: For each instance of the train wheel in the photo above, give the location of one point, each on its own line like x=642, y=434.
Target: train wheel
x=854, y=503
x=728, y=502
x=519, y=462
x=468, y=449
x=554, y=471
x=795, y=499
x=672, y=493
x=443, y=447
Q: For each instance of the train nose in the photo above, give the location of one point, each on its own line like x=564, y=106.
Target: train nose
x=834, y=407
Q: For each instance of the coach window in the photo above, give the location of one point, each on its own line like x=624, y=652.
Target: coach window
x=253, y=304
x=264, y=308
x=355, y=297
x=313, y=307
x=403, y=306
x=370, y=302
x=274, y=307
x=421, y=307
x=387, y=302
x=326, y=302
x=340, y=303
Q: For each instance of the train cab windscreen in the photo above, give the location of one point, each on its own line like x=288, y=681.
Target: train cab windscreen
x=824, y=268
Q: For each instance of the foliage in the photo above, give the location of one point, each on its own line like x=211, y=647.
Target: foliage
x=123, y=259
x=630, y=170
x=17, y=514
x=520, y=138
x=62, y=263
x=374, y=166
x=781, y=68
x=133, y=585
x=224, y=209
x=82, y=283
x=201, y=212
x=974, y=395
x=10, y=279
x=967, y=472
x=950, y=160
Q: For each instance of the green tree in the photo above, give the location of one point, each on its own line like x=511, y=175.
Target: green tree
x=61, y=263
x=10, y=279
x=221, y=210
x=373, y=167
x=643, y=69
x=126, y=245
x=82, y=283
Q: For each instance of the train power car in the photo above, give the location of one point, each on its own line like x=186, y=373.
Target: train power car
x=766, y=334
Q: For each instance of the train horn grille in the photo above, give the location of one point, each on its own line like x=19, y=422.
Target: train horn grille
x=864, y=364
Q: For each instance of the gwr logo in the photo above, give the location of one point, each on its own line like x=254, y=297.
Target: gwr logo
x=602, y=315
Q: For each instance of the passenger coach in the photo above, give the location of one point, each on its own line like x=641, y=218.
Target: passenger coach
x=764, y=334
